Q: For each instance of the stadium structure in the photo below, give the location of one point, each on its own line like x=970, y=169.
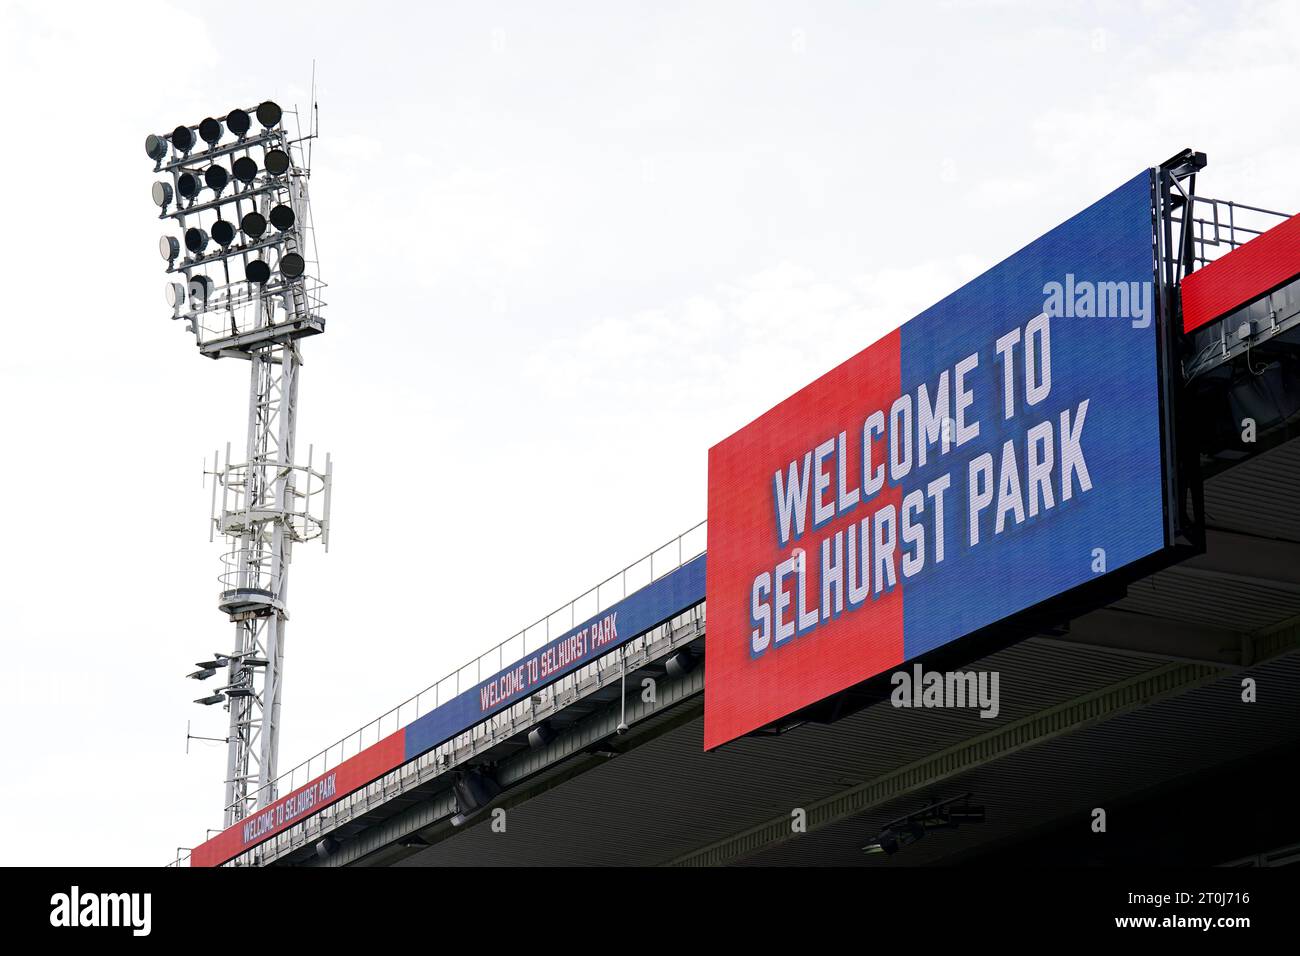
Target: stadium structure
x=1137, y=597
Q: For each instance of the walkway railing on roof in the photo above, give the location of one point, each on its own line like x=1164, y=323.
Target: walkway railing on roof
x=670, y=556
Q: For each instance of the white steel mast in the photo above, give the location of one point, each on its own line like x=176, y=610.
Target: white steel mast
x=250, y=291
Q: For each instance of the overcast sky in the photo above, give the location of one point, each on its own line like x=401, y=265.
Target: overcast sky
x=569, y=247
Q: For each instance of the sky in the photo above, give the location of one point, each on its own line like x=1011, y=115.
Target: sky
x=569, y=247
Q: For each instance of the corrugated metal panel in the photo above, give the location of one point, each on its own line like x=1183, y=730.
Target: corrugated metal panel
x=1260, y=496
x=1233, y=605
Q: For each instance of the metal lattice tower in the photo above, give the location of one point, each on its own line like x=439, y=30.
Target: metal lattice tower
x=266, y=502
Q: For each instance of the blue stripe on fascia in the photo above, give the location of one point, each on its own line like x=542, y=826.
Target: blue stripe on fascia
x=639, y=612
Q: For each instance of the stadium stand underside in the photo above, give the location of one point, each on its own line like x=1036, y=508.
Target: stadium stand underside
x=1135, y=708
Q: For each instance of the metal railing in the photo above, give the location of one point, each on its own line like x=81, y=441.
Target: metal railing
x=1219, y=225
x=233, y=308
x=305, y=492
x=518, y=717
x=249, y=568
x=669, y=557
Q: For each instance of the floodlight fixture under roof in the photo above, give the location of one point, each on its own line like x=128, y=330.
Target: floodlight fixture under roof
x=183, y=139
x=282, y=217
x=277, y=162
x=210, y=131
x=292, y=266
x=257, y=272
x=237, y=122
x=162, y=194
x=935, y=815
x=268, y=114
x=244, y=169
x=894, y=838
x=540, y=736
x=155, y=146
x=966, y=814
x=223, y=232
x=885, y=842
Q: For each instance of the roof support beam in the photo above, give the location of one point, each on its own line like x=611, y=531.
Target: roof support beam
x=1157, y=638
x=1271, y=562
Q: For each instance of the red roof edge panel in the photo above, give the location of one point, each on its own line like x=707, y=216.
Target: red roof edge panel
x=1243, y=275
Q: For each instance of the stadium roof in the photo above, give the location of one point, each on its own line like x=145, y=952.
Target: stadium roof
x=1136, y=701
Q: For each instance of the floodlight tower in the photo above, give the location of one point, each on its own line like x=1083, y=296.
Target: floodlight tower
x=242, y=256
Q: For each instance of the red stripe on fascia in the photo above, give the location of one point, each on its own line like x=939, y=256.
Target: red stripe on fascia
x=349, y=776
x=1243, y=275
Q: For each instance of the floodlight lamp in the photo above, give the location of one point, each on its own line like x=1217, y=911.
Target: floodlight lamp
x=223, y=232
x=162, y=194
x=540, y=736
x=237, y=122
x=939, y=820
x=189, y=185
x=202, y=674
x=887, y=842
x=175, y=295
x=210, y=131
x=169, y=248
x=257, y=272
x=216, y=177
x=1187, y=162
x=196, y=240
x=268, y=114
x=277, y=162
x=209, y=701
x=282, y=218
x=183, y=139
x=680, y=664
x=240, y=692
x=254, y=225
x=895, y=836
x=156, y=147
x=292, y=266
x=245, y=169
x=200, y=291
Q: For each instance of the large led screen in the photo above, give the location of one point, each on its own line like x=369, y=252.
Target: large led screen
x=997, y=450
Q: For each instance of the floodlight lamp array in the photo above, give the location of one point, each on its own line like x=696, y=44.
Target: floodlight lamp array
x=232, y=195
